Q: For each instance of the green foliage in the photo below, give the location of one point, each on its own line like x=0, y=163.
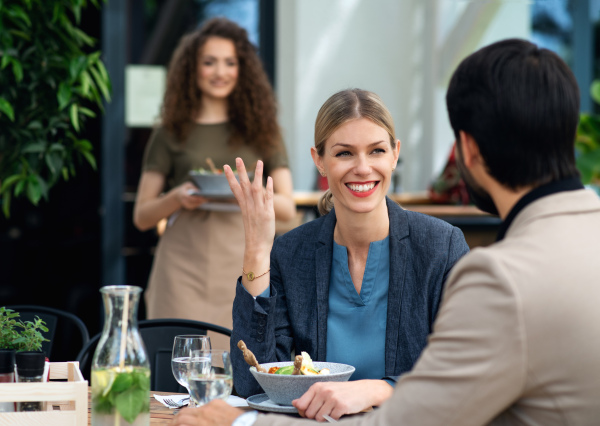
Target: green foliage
x=587, y=143
x=48, y=88
x=28, y=338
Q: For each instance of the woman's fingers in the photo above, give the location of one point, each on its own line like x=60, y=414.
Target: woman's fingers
x=330, y=398
x=241, y=171
x=269, y=195
x=258, y=192
x=244, y=182
x=246, y=191
x=233, y=184
x=304, y=403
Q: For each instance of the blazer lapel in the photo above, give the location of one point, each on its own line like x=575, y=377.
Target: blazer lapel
x=398, y=259
x=323, y=258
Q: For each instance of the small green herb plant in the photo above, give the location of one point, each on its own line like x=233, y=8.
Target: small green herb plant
x=20, y=335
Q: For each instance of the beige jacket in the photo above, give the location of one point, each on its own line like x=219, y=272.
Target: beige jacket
x=517, y=337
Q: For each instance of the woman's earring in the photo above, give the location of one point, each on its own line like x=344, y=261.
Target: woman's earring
x=323, y=173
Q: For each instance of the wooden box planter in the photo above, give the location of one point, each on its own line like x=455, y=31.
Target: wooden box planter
x=66, y=402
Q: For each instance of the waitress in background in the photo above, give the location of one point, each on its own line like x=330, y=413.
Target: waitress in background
x=218, y=104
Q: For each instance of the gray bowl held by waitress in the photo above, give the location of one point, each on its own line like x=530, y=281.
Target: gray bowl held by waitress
x=213, y=184
x=283, y=389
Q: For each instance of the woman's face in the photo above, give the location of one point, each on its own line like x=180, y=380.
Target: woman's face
x=358, y=160
x=218, y=68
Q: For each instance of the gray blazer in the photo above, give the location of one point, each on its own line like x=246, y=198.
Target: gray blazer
x=423, y=249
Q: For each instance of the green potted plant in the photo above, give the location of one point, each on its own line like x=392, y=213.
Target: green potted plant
x=20, y=335
x=587, y=143
x=49, y=85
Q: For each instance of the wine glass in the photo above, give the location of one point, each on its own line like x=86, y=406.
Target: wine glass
x=189, y=353
x=214, y=382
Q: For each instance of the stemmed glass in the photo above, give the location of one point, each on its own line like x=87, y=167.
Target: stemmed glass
x=214, y=382
x=190, y=353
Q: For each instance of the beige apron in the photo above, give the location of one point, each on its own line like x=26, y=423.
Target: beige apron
x=197, y=262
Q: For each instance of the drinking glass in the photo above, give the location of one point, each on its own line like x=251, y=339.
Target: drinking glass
x=214, y=382
x=190, y=352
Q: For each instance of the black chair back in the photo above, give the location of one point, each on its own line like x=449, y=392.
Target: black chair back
x=66, y=334
x=158, y=336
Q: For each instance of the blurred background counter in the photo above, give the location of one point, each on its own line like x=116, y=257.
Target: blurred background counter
x=480, y=228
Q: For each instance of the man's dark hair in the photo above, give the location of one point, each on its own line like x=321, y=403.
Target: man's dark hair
x=521, y=105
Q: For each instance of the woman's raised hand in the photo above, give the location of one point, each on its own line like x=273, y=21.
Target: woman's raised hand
x=258, y=214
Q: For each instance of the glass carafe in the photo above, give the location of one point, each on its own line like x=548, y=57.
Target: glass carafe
x=120, y=367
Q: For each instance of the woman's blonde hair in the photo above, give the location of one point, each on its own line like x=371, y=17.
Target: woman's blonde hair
x=340, y=108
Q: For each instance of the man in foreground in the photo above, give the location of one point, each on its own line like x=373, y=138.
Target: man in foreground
x=516, y=337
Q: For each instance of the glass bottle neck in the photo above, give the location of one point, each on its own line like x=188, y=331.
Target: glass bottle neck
x=120, y=306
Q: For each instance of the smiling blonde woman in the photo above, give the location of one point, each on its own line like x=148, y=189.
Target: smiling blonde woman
x=361, y=285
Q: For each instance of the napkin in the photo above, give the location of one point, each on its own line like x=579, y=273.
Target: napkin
x=176, y=398
x=234, y=401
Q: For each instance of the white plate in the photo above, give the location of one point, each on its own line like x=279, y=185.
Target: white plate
x=263, y=403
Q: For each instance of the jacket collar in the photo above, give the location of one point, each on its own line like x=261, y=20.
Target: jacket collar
x=396, y=214
x=323, y=259
x=399, y=231
x=559, y=203
x=555, y=187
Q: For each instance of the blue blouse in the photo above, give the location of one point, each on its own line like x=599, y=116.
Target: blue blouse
x=356, y=322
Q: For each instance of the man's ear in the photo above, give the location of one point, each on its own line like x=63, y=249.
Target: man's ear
x=469, y=148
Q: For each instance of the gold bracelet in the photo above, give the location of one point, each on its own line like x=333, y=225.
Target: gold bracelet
x=250, y=275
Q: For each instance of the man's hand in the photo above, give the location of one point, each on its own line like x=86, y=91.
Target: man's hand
x=215, y=413
x=338, y=398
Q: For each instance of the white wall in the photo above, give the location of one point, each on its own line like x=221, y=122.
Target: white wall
x=403, y=50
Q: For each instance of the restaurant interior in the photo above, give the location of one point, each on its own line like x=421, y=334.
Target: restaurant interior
x=59, y=253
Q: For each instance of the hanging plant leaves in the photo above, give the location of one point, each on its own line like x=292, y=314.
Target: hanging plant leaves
x=7, y=109
x=51, y=83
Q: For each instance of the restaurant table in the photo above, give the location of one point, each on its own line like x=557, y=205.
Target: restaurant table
x=159, y=414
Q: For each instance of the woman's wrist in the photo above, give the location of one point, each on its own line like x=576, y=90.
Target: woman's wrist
x=382, y=392
x=258, y=258
x=256, y=273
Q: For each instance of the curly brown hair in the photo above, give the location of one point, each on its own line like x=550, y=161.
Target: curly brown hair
x=252, y=106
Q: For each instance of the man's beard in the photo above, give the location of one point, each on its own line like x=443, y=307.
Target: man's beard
x=477, y=194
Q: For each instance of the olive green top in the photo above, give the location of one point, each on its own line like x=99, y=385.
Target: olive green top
x=164, y=154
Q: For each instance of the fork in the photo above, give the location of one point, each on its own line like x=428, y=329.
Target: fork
x=176, y=404
x=329, y=419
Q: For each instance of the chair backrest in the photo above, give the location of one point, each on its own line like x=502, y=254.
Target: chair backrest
x=67, y=334
x=158, y=336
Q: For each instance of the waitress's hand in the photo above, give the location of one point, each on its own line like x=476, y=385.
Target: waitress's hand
x=184, y=195
x=258, y=214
